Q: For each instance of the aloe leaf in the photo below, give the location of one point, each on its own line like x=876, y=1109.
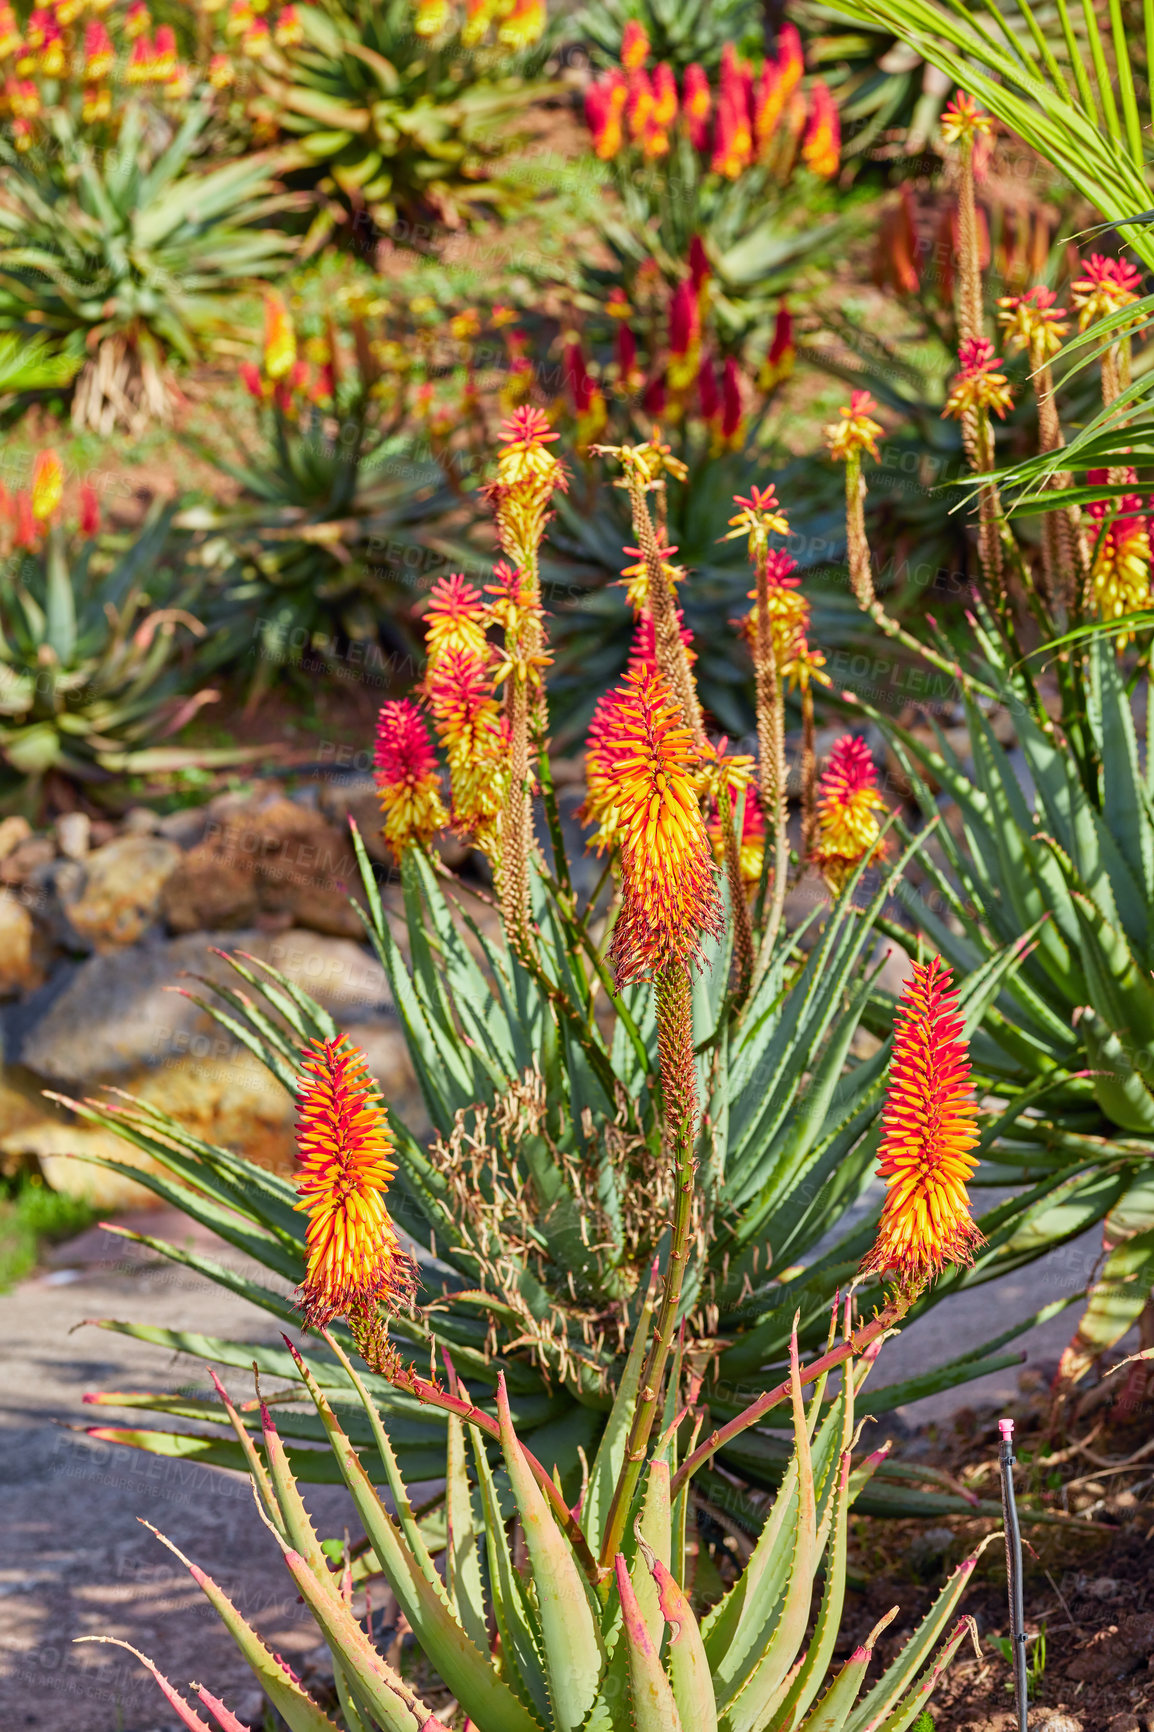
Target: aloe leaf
x=654, y=1705
x=1119, y=1295
x=688, y=1664
x=1119, y=1088
x=610, y=1457
x=188, y=1716
x=907, y=1712
x=462, y=1562
x=655, y=1537
x=742, y=1709
x=519, y=1640
x=572, y=1650
x=891, y=1686
x=282, y=1687
x=465, y=1668
x=384, y=1694
x=833, y=1710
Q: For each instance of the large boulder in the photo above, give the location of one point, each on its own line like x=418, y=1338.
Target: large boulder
x=113, y=896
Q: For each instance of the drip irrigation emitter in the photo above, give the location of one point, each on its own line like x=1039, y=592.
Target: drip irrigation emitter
x=1014, y=1570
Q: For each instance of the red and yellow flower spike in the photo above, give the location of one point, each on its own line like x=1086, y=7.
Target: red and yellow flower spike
x=928, y=1130
x=669, y=896
x=963, y=120
x=353, y=1258
x=280, y=340
x=47, y=486
x=455, y=619
x=976, y=385
x=848, y=807
x=1033, y=323
x=408, y=783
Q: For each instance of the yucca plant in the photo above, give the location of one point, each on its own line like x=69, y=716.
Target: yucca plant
x=528, y=1623
x=93, y=669
x=407, y=125
x=126, y=260
x=540, y=1198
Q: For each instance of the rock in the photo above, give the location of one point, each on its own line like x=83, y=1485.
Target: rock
x=274, y=859
x=13, y=831
x=22, y=860
x=1116, y=1651
x=1124, y=1722
x=73, y=834
x=117, y=1014
x=1052, y=1720
x=114, y=897
x=141, y=821
x=185, y=827
x=18, y=970
x=60, y=1149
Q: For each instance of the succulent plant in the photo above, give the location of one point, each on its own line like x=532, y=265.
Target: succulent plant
x=405, y=126
x=126, y=260
x=92, y=674
x=529, y=1625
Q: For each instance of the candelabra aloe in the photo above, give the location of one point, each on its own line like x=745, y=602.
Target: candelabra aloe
x=556, y=1094
x=596, y=1627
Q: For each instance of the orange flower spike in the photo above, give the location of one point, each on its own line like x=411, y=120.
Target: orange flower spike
x=669, y=895
x=280, y=341
x=848, y=804
x=928, y=1130
x=353, y=1258
x=47, y=486
x=408, y=784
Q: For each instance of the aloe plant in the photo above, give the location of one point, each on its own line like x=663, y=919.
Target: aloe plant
x=93, y=674
x=571, y=1638
x=126, y=260
x=1067, y=858
x=404, y=126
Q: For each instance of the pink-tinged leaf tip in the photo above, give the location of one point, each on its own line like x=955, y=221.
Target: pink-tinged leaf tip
x=226, y=1717
x=860, y=1657
x=630, y=1610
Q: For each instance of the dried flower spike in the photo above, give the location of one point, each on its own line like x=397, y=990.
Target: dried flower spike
x=353, y=1258
x=928, y=1130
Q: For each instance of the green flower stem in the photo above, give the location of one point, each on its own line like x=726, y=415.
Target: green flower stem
x=674, y=1003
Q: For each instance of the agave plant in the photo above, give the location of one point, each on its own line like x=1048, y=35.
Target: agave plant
x=405, y=125
x=126, y=260
x=93, y=674
x=574, y=1635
